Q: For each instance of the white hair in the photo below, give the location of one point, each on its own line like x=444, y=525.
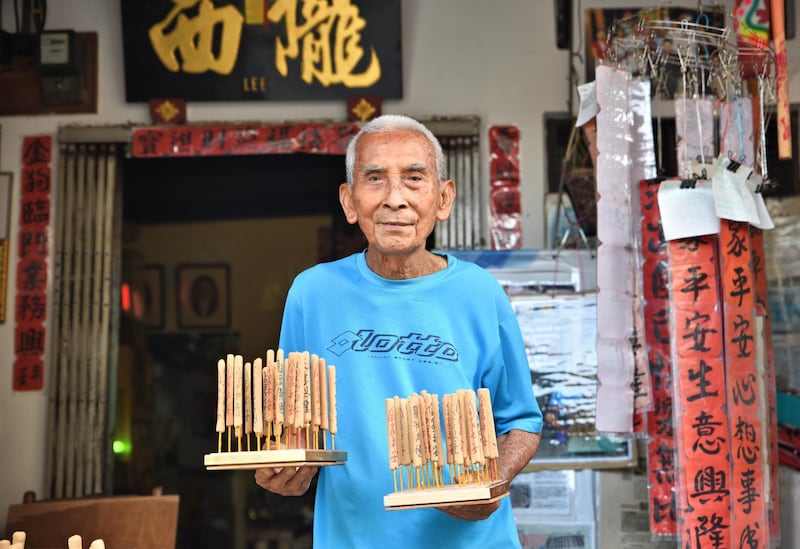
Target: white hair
x=395, y=123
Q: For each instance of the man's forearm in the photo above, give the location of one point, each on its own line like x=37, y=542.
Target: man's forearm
x=516, y=449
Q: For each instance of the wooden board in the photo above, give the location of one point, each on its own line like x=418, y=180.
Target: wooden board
x=297, y=457
x=120, y=521
x=21, y=87
x=452, y=494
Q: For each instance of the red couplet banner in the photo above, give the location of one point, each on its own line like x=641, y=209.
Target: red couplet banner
x=219, y=139
x=655, y=287
x=703, y=438
x=30, y=305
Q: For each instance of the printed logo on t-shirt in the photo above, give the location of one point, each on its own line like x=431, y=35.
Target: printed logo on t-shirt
x=414, y=344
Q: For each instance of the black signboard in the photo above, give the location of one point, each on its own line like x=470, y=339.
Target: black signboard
x=290, y=50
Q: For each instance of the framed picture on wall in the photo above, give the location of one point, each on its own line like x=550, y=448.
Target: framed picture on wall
x=203, y=291
x=153, y=296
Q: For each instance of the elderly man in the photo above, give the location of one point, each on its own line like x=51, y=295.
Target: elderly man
x=449, y=326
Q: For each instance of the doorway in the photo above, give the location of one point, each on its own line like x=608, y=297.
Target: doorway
x=235, y=203
x=264, y=218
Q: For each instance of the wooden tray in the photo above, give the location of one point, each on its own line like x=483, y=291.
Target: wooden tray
x=297, y=457
x=452, y=494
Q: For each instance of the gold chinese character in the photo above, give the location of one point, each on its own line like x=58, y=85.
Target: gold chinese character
x=330, y=40
x=194, y=37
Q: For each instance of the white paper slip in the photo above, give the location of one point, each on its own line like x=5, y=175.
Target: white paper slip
x=733, y=199
x=687, y=209
x=764, y=219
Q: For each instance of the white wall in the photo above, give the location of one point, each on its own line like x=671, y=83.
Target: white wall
x=497, y=60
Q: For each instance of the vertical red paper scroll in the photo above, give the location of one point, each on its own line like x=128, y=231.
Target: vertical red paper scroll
x=749, y=526
x=504, y=197
x=661, y=445
x=30, y=306
x=702, y=435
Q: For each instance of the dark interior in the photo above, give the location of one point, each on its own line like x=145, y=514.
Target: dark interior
x=206, y=188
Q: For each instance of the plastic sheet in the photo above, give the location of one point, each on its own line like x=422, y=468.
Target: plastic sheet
x=694, y=125
x=736, y=130
x=643, y=166
x=615, y=305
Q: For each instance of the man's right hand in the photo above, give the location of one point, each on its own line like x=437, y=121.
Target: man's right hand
x=286, y=481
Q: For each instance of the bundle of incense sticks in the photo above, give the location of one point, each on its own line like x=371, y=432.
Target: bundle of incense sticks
x=73, y=542
x=17, y=541
x=290, y=401
x=418, y=446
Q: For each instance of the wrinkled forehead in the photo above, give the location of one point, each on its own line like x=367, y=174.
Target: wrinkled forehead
x=397, y=137
x=401, y=142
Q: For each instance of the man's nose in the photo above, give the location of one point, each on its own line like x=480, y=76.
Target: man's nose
x=395, y=193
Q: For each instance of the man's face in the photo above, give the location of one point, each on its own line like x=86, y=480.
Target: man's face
x=396, y=198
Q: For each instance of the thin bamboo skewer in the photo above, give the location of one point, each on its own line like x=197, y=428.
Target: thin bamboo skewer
x=316, y=416
x=248, y=401
x=391, y=433
x=220, y=426
x=237, y=399
x=291, y=397
x=323, y=391
x=279, y=397
x=258, y=398
x=307, y=396
x=229, y=396
x=332, y=404
x=269, y=395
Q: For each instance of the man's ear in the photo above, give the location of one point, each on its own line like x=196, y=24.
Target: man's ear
x=447, y=195
x=346, y=200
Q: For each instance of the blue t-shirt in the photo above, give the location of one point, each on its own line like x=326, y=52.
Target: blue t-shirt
x=454, y=329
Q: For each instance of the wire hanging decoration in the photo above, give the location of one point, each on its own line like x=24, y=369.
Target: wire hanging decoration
x=709, y=58
x=695, y=59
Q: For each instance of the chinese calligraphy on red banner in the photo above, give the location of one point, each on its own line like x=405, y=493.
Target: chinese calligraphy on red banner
x=31, y=300
x=661, y=444
x=208, y=140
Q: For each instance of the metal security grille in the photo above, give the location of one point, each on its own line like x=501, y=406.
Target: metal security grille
x=461, y=145
x=84, y=321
